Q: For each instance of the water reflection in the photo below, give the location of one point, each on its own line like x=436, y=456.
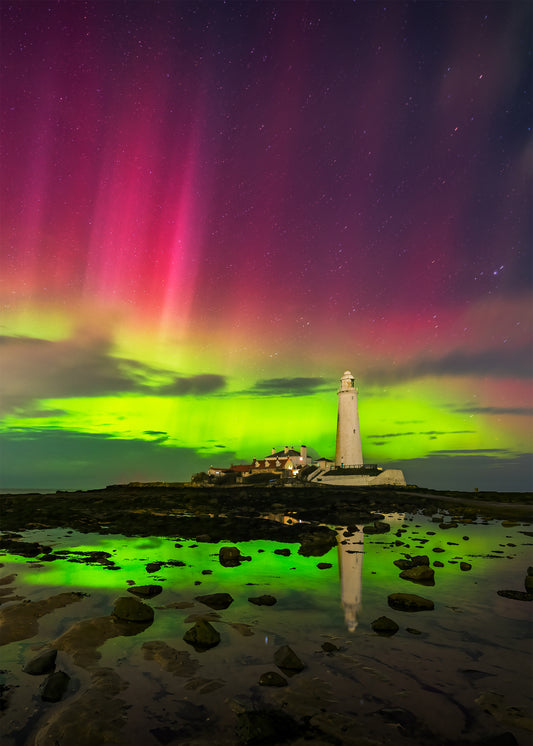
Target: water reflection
x=350, y=554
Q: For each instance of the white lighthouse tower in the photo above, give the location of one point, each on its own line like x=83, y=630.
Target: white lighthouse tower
x=348, y=451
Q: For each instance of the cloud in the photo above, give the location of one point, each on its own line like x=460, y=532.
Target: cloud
x=494, y=363
x=297, y=386
x=204, y=383
x=520, y=411
x=431, y=433
x=83, y=366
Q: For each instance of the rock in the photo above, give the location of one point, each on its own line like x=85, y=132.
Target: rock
x=216, y=600
x=379, y=527
x=402, y=717
x=283, y=552
x=385, y=626
x=146, y=591
x=286, y=659
x=409, y=602
x=265, y=600
x=438, y=563
x=154, y=566
x=42, y=663
x=324, y=565
x=202, y=636
x=501, y=739
x=438, y=550
x=413, y=631
x=272, y=678
x=55, y=686
x=419, y=574
x=229, y=556
x=465, y=566
x=516, y=595
x=131, y=610
x=329, y=647
x=448, y=525
x=528, y=583
x=263, y=727
x=316, y=541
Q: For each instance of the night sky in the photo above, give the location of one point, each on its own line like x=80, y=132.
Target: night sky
x=209, y=211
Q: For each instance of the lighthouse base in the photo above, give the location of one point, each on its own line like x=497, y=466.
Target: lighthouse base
x=393, y=477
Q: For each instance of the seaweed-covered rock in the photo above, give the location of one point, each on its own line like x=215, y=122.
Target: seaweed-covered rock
x=264, y=727
x=272, y=678
x=516, y=595
x=409, y=602
x=55, y=686
x=385, y=626
x=216, y=600
x=264, y=600
x=146, y=591
x=202, y=636
x=229, y=556
x=286, y=659
x=419, y=574
x=42, y=663
x=379, y=527
x=131, y=610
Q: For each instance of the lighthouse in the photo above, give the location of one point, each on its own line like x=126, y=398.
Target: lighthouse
x=348, y=451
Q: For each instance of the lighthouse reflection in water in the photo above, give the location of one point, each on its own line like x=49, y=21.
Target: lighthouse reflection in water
x=351, y=549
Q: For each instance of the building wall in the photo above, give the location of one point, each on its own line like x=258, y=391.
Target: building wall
x=389, y=476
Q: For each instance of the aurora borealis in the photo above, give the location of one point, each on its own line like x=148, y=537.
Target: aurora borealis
x=210, y=210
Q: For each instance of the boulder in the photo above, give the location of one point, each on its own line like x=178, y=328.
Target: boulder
x=154, y=566
x=448, y=525
x=316, y=541
x=465, y=566
x=286, y=659
x=379, y=527
x=131, y=610
x=216, y=600
x=55, y=686
x=202, y=636
x=516, y=595
x=419, y=574
x=528, y=583
x=262, y=727
x=409, y=602
x=146, y=591
x=329, y=647
x=385, y=626
x=42, y=663
x=229, y=556
x=272, y=678
x=324, y=565
x=283, y=552
x=265, y=600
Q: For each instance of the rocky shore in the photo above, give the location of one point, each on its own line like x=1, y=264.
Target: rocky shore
x=327, y=690
x=239, y=513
